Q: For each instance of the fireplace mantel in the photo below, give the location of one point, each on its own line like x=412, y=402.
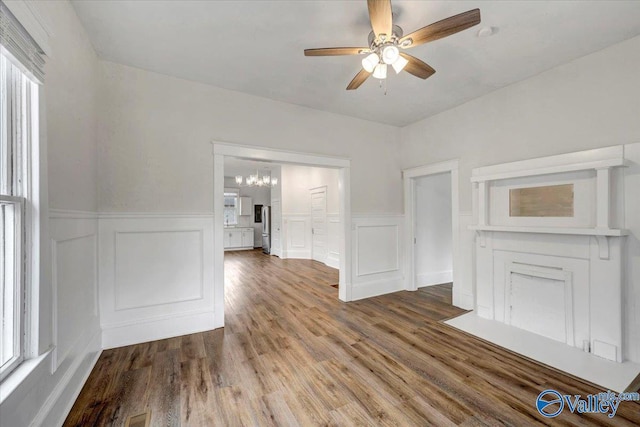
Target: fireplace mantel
x=600, y=162
x=607, y=232
x=576, y=257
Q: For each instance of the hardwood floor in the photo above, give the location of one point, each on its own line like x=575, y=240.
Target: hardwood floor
x=292, y=354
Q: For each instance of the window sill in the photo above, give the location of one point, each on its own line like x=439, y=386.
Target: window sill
x=21, y=374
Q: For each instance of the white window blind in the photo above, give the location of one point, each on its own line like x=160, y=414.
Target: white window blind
x=19, y=45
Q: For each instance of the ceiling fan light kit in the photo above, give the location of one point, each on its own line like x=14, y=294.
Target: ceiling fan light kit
x=386, y=41
x=369, y=62
x=399, y=64
x=380, y=72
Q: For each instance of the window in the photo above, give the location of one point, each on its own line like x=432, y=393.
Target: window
x=231, y=202
x=18, y=104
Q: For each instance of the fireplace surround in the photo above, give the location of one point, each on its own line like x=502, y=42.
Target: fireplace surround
x=555, y=271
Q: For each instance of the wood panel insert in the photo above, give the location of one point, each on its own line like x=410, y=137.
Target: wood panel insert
x=545, y=201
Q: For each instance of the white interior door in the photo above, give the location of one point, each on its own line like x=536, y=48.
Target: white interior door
x=319, y=224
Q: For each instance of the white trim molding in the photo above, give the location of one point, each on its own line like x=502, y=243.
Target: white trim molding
x=599, y=158
x=409, y=178
x=226, y=149
x=156, y=277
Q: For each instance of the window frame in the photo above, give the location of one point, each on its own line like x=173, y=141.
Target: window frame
x=19, y=270
x=235, y=193
x=22, y=133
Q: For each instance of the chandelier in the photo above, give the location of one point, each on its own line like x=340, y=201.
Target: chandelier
x=256, y=180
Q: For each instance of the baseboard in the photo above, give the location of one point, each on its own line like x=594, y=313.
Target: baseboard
x=375, y=288
x=434, y=278
x=156, y=329
x=333, y=261
x=74, y=374
x=464, y=301
x=302, y=254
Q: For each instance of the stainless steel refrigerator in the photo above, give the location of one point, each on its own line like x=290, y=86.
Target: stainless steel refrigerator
x=266, y=229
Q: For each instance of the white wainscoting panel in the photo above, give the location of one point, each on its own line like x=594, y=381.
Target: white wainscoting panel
x=74, y=260
x=333, y=240
x=74, y=263
x=156, y=276
x=59, y=374
x=378, y=256
x=146, y=259
x=297, y=236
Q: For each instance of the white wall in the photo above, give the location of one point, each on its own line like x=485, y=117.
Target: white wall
x=588, y=103
x=296, y=211
x=155, y=133
x=433, y=249
x=68, y=311
x=155, y=160
x=71, y=85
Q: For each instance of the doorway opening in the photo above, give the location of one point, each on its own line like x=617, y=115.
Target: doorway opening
x=290, y=233
x=431, y=220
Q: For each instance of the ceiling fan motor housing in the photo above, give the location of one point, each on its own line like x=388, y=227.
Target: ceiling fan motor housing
x=396, y=35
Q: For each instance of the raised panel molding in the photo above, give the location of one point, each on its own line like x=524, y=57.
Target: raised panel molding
x=155, y=280
x=333, y=240
x=73, y=267
x=377, y=249
x=61, y=371
x=296, y=236
x=377, y=258
x=74, y=282
x=297, y=233
x=153, y=258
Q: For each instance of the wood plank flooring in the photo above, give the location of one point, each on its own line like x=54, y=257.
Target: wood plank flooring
x=292, y=354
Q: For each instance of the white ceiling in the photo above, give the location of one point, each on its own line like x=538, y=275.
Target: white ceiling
x=257, y=47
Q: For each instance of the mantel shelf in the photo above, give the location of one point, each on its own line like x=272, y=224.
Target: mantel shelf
x=613, y=232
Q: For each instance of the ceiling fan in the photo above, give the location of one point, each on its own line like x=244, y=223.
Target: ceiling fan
x=386, y=41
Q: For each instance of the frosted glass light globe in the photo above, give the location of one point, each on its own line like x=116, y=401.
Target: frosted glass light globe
x=390, y=54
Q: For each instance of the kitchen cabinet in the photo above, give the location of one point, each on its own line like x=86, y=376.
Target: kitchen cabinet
x=238, y=238
x=247, y=238
x=246, y=207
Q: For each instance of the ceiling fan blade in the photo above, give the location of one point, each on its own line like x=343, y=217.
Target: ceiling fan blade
x=443, y=28
x=417, y=67
x=359, y=79
x=380, y=16
x=334, y=51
